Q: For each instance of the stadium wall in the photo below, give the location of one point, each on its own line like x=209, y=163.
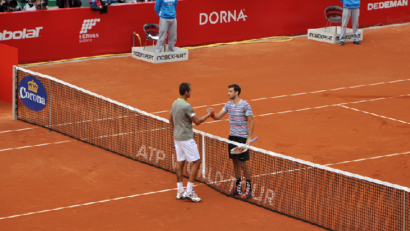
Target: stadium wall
x=8, y=58
x=78, y=32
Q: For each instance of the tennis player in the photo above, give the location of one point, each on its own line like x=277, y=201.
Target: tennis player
x=240, y=114
x=181, y=118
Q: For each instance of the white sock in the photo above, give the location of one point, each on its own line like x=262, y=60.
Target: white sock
x=189, y=187
x=180, y=187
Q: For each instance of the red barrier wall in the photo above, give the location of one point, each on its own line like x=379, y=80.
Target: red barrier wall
x=8, y=58
x=58, y=34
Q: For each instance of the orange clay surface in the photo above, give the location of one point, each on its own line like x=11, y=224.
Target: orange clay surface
x=58, y=175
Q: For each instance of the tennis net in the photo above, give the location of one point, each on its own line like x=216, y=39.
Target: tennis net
x=317, y=194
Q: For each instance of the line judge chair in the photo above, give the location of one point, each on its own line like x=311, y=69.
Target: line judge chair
x=333, y=14
x=152, y=33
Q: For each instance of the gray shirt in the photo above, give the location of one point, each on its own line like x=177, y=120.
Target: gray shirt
x=181, y=113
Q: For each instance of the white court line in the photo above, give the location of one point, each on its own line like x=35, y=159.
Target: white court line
x=373, y=114
x=319, y=107
x=17, y=130
x=299, y=169
x=302, y=93
x=89, y=121
x=85, y=139
x=37, y=145
x=89, y=203
x=370, y=158
x=283, y=112
x=70, y=123
x=167, y=190
x=358, y=86
x=267, y=114
x=127, y=133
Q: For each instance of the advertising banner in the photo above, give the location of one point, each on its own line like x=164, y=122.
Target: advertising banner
x=33, y=93
x=78, y=32
x=8, y=59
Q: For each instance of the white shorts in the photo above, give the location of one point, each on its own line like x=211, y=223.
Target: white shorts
x=187, y=150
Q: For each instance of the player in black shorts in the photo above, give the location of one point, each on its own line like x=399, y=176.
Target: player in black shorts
x=240, y=157
x=240, y=114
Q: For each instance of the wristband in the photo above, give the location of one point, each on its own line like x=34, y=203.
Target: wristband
x=213, y=114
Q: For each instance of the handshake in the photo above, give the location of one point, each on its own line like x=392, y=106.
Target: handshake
x=210, y=112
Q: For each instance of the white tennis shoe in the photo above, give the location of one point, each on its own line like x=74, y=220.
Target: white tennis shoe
x=192, y=196
x=180, y=196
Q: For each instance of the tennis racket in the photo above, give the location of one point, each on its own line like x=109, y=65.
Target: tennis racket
x=241, y=148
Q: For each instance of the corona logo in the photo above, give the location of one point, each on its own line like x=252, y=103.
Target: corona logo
x=32, y=86
x=32, y=93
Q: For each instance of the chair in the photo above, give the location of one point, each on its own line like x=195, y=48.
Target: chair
x=333, y=14
x=152, y=33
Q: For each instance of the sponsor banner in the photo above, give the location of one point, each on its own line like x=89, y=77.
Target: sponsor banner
x=88, y=24
x=32, y=93
x=332, y=35
x=387, y=4
x=87, y=33
x=8, y=58
x=20, y=34
x=57, y=34
x=148, y=54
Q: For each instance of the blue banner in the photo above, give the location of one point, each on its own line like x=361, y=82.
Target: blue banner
x=32, y=93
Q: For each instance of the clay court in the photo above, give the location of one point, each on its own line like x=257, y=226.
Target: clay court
x=345, y=107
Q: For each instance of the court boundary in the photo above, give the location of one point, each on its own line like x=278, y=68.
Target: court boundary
x=90, y=203
x=253, y=148
x=204, y=134
x=79, y=59
x=324, y=106
x=327, y=109
x=298, y=94
x=75, y=140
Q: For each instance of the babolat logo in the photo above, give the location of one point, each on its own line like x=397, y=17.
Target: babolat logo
x=20, y=34
x=88, y=24
x=32, y=93
x=222, y=17
x=171, y=56
x=320, y=36
x=142, y=55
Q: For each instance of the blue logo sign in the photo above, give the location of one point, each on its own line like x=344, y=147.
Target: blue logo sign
x=32, y=93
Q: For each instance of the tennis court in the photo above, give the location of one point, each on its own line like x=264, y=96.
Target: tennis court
x=344, y=107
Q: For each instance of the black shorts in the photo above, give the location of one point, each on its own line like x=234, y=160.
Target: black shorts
x=241, y=157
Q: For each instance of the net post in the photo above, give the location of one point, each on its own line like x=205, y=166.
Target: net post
x=203, y=156
x=14, y=92
x=404, y=210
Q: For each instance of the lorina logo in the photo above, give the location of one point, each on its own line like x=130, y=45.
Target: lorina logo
x=20, y=34
x=88, y=24
x=387, y=4
x=221, y=17
x=32, y=93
